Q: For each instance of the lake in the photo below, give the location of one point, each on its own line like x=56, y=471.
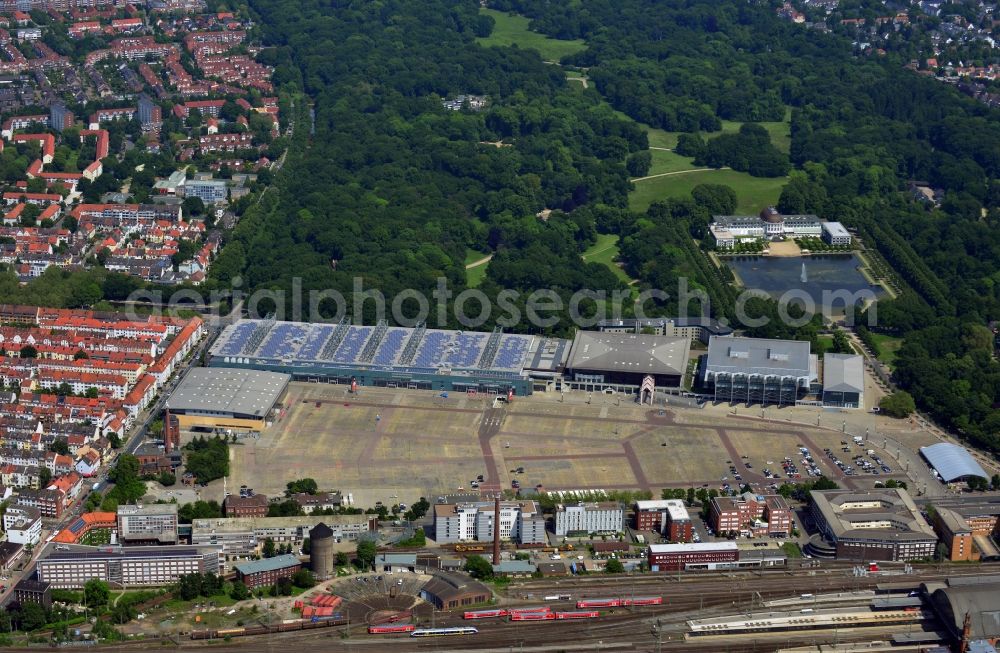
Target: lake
x=831, y=280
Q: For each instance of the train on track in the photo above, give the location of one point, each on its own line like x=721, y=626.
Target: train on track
x=619, y=602
x=393, y=629
x=244, y=631
x=444, y=632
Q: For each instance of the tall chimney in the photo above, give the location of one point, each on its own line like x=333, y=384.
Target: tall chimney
x=966, y=632
x=496, y=530
x=167, y=436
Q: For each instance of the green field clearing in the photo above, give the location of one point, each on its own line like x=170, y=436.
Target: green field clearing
x=781, y=134
x=605, y=251
x=664, y=161
x=753, y=193
x=475, y=275
x=887, y=347
x=513, y=30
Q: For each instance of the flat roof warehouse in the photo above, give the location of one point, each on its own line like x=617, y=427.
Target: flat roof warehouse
x=228, y=392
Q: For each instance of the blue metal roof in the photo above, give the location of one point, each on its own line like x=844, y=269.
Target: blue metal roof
x=952, y=461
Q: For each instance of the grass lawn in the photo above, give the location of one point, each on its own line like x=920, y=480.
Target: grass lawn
x=887, y=347
x=513, y=30
x=475, y=275
x=604, y=251
x=664, y=161
x=753, y=193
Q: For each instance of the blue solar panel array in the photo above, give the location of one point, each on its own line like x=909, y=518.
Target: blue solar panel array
x=305, y=342
x=431, y=349
x=283, y=340
x=77, y=526
x=352, y=344
x=468, y=348
x=240, y=335
x=511, y=352
x=314, y=342
x=391, y=346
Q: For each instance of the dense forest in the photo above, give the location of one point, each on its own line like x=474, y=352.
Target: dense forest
x=392, y=187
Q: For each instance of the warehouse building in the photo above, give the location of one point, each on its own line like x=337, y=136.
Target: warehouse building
x=758, y=370
x=882, y=524
x=267, y=572
x=676, y=557
x=520, y=521
x=148, y=566
x=952, y=462
x=598, y=517
x=447, y=591
x=227, y=398
x=843, y=381
x=620, y=362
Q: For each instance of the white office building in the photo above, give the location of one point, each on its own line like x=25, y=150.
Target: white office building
x=23, y=525
x=521, y=521
x=603, y=517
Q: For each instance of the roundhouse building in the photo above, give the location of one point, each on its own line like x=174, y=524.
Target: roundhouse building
x=228, y=398
x=448, y=591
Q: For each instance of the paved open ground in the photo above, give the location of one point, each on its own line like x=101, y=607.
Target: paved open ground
x=384, y=444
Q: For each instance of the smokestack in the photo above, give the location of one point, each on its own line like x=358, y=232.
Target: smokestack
x=966, y=632
x=167, y=436
x=496, y=530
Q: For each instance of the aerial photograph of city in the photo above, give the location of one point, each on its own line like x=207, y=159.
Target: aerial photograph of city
x=500, y=325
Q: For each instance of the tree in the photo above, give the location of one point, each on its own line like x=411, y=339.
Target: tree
x=192, y=206
x=366, y=553
x=719, y=199
x=239, y=591
x=899, y=404
x=60, y=446
x=284, y=587
x=614, y=566
x=44, y=477
x=189, y=586
x=638, y=164
x=96, y=593
x=341, y=559
x=302, y=486
x=303, y=578
x=479, y=567
x=31, y=616
x=268, y=550
x=28, y=351
x=167, y=478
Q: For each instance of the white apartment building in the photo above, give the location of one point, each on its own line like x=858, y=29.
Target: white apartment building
x=474, y=522
x=23, y=525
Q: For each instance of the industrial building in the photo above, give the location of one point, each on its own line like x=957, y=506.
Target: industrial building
x=758, y=370
x=695, y=329
x=602, y=361
x=597, y=517
x=952, y=462
x=227, y=398
x=668, y=517
x=520, y=521
x=267, y=572
x=843, y=381
x=675, y=557
x=148, y=566
x=437, y=359
x=881, y=524
x=242, y=536
x=421, y=358
x=150, y=524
